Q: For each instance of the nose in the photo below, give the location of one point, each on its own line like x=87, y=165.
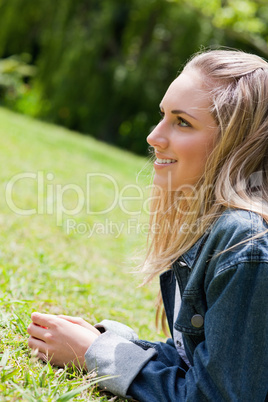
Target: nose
x=157, y=138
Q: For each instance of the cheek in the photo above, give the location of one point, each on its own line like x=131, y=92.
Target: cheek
x=188, y=148
x=193, y=154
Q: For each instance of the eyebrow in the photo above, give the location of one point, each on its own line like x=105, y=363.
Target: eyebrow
x=182, y=112
x=179, y=111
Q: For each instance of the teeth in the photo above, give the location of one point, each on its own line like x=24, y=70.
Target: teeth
x=162, y=161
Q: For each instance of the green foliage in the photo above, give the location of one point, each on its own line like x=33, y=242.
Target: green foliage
x=241, y=21
x=14, y=73
x=118, y=60
x=103, y=66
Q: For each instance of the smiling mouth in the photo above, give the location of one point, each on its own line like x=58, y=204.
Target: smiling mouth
x=165, y=161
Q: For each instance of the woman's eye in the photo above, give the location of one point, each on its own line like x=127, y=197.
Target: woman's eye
x=162, y=115
x=182, y=122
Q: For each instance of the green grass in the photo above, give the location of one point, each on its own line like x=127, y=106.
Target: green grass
x=57, y=261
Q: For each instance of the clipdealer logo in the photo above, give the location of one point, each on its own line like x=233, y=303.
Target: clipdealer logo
x=52, y=198
x=106, y=227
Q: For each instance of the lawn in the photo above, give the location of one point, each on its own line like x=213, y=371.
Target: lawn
x=73, y=215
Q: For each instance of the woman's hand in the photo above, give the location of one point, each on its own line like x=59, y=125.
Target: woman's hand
x=79, y=321
x=61, y=340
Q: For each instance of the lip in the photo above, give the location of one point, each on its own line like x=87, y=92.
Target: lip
x=161, y=156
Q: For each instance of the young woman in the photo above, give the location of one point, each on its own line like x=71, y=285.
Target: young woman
x=211, y=205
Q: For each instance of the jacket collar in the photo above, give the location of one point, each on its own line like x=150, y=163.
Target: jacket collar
x=192, y=254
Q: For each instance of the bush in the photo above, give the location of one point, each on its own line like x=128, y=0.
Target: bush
x=15, y=73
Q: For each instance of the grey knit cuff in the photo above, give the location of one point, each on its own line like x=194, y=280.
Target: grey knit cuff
x=112, y=355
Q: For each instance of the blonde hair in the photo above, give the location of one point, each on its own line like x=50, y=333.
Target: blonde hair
x=236, y=173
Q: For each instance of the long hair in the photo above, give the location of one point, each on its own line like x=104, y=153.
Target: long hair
x=236, y=172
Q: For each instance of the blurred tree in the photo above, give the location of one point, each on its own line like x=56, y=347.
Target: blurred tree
x=110, y=65
x=103, y=66
x=245, y=21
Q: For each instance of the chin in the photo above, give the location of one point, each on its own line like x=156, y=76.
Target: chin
x=166, y=185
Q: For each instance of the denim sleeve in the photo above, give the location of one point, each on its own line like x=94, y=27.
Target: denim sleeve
x=121, y=360
x=232, y=363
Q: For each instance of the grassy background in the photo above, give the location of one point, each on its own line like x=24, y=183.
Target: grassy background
x=44, y=266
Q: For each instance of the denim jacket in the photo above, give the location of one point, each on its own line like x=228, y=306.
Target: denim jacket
x=223, y=319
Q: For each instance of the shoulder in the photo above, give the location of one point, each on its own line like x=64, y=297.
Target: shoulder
x=238, y=224
x=238, y=235
x=240, y=220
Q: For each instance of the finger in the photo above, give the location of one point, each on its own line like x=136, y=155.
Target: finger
x=37, y=344
x=37, y=331
x=43, y=356
x=75, y=320
x=79, y=321
x=44, y=320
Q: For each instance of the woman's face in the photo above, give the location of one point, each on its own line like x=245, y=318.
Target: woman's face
x=185, y=136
